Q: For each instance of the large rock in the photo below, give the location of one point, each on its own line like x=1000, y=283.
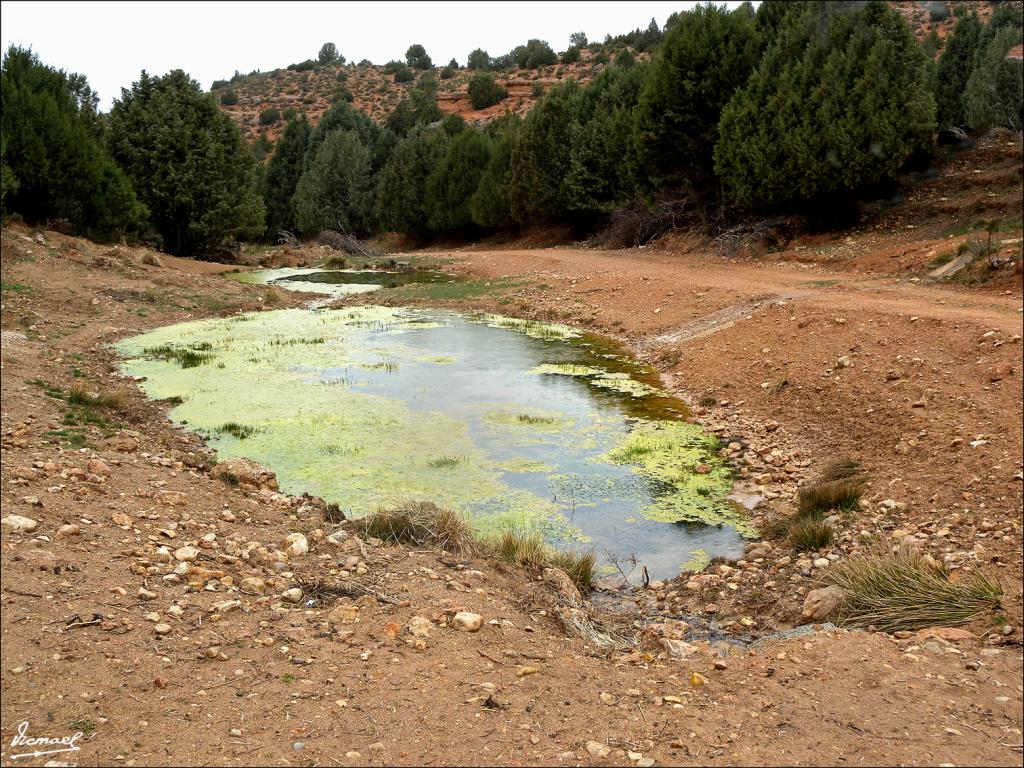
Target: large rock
x=822, y=603
x=562, y=584
x=295, y=545
x=467, y=622
x=247, y=473
x=19, y=523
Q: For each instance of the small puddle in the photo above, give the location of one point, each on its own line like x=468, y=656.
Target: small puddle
x=341, y=282
x=513, y=422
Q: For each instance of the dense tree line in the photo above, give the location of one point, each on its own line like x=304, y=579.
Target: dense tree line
x=799, y=106
x=54, y=162
x=166, y=164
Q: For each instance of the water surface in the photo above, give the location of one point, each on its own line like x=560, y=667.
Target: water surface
x=342, y=282
x=512, y=422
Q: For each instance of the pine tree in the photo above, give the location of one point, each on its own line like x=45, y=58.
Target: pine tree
x=335, y=191
x=489, y=205
x=283, y=173
x=837, y=105
x=994, y=95
x=53, y=164
x=600, y=176
x=953, y=70
x=454, y=179
x=188, y=161
x=540, y=160
x=707, y=55
x=403, y=205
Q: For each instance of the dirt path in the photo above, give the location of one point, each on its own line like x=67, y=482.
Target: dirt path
x=133, y=611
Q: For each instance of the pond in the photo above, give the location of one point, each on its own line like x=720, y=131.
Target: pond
x=513, y=422
x=341, y=282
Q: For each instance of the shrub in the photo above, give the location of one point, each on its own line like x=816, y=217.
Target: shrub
x=217, y=84
x=810, y=535
x=903, y=590
x=420, y=522
x=304, y=66
x=571, y=55
x=417, y=58
x=269, y=116
x=484, y=91
x=228, y=98
x=534, y=55
x=404, y=75
x=478, y=59
x=841, y=469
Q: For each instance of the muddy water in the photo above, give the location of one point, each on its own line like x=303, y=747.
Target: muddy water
x=513, y=422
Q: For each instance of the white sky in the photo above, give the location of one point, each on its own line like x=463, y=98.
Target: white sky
x=112, y=42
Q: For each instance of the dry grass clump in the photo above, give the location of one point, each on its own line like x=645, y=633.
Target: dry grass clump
x=823, y=497
x=421, y=522
x=115, y=401
x=841, y=469
x=904, y=590
x=809, y=535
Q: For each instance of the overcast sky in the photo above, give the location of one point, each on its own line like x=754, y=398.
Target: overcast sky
x=112, y=42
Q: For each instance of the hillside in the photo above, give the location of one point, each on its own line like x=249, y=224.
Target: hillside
x=376, y=92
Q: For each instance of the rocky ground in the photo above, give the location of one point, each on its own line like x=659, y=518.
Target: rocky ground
x=176, y=611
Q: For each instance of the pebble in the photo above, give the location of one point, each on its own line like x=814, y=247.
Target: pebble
x=822, y=562
x=145, y=594
x=292, y=595
x=253, y=586
x=162, y=629
x=186, y=554
x=597, y=749
x=68, y=530
x=235, y=732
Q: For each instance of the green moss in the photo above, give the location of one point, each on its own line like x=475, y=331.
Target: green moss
x=698, y=561
x=667, y=454
x=532, y=328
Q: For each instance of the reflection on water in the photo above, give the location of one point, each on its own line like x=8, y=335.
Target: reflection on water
x=341, y=282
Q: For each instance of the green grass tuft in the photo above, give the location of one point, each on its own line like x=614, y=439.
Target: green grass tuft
x=810, y=535
x=902, y=590
x=443, y=462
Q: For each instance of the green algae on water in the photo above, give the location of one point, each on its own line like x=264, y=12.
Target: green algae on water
x=681, y=460
x=369, y=406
